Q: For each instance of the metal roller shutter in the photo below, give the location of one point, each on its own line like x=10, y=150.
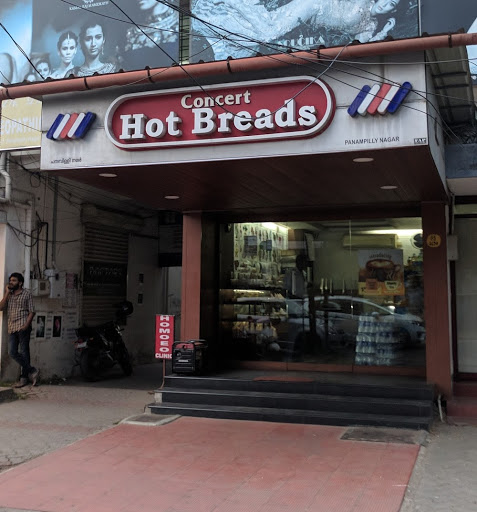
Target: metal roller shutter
x=105, y=260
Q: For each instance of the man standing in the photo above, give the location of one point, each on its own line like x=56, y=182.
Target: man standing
x=20, y=315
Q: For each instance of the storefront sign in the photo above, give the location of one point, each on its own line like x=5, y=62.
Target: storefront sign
x=104, y=278
x=379, y=99
x=20, y=124
x=164, y=336
x=71, y=126
x=262, y=110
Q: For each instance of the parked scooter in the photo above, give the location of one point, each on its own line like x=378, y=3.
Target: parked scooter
x=99, y=348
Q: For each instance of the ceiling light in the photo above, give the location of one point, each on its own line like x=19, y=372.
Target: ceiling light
x=388, y=187
x=401, y=232
x=274, y=227
x=171, y=197
x=363, y=159
x=108, y=175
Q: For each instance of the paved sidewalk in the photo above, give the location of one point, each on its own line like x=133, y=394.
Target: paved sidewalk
x=46, y=418
x=205, y=465
x=62, y=449
x=444, y=478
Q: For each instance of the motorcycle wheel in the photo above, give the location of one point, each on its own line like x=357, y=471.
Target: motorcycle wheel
x=125, y=361
x=88, y=370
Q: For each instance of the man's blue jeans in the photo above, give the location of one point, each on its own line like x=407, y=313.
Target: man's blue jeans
x=19, y=350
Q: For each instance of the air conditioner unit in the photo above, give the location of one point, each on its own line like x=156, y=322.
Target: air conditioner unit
x=370, y=241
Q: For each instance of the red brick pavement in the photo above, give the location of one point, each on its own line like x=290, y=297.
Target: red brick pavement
x=211, y=465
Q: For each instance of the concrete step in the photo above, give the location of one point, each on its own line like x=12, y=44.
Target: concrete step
x=465, y=389
x=310, y=402
x=421, y=391
x=291, y=415
x=462, y=407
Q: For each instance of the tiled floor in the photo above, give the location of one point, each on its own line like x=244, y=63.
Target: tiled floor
x=205, y=465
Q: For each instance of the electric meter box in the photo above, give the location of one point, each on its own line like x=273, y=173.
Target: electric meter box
x=39, y=287
x=57, y=285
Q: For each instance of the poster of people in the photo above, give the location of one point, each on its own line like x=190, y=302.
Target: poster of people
x=83, y=37
x=16, y=18
x=381, y=272
x=442, y=16
x=223, y=28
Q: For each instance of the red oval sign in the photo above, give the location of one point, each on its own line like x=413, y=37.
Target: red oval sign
x=264, y=110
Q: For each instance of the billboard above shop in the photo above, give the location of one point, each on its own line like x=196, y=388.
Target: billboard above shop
x=442, y=16
x=57, y=38
x=222, y=29
x=83, y=37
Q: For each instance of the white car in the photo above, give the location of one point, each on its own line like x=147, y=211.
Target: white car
x=339, y=316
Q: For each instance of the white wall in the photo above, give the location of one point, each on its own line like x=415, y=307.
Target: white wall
x=55, y=355
x=143, y=258
x=466, y=295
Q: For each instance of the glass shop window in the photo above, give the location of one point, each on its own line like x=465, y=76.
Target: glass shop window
x=328, y=292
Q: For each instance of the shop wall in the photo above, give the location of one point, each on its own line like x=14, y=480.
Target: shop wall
x=210, y=280
x=436, y=134
x=52, y=349
x=145, y=294
x=466, y=295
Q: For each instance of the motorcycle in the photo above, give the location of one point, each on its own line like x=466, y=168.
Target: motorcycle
x=99, y=348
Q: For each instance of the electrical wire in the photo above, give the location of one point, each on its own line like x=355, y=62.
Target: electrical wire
x=188, y=13
x=273, y=47
x=21, y=50
x=214, y=27
x=18, y=232
x=185, y=12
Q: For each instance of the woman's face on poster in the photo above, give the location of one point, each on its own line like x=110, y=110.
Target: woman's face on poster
x=67, y=50
x=43, y=69
x=384, y=6
x=93, y=40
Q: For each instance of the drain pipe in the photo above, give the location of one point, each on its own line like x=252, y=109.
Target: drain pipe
x=55, y=218
x=7, y=198
x=28, y=244
x=4, y=171
x=439, y=406
x=230, y=66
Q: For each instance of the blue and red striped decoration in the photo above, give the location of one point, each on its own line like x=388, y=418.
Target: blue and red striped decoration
x=379, y=99
x=71, y=126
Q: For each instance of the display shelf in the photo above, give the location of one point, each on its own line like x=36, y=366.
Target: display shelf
x=252, y=314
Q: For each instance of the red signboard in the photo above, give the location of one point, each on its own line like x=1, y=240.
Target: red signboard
x=262, y=110
x=164, y=336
